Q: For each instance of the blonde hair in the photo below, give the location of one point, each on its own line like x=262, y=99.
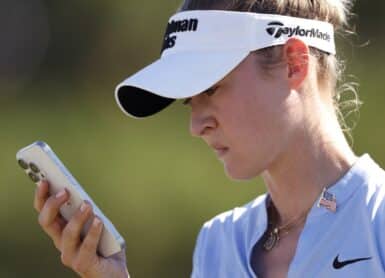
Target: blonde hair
x=330, y=68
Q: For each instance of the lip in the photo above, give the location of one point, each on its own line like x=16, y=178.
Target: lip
x=221, y=151
x=218, y=148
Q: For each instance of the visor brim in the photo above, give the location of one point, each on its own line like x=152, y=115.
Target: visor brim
x=176, y=76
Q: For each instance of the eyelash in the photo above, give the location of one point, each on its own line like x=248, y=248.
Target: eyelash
x=208, y=92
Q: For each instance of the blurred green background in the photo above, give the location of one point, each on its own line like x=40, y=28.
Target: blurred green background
x=59, y=64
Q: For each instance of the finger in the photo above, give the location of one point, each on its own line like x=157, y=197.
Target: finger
x=88, y=249
x=56, y=229
x=61, y=222
x=48, y=217
x=41, y=195
x=70, y=240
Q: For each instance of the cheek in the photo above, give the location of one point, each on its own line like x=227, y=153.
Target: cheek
x=247, y=137
x=257, y=132
x=258, y=123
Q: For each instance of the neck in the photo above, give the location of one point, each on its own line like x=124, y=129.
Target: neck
x=297, y=177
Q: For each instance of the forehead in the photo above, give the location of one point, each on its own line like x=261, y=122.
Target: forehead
x=243, y=71
x=245, y=67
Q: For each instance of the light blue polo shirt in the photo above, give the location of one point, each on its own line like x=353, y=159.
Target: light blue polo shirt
x=356, y=231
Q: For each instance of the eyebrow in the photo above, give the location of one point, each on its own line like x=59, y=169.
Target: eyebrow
x=214, y=87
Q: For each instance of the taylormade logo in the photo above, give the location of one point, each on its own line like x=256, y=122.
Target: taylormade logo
x=185, y=25
x=277, y=29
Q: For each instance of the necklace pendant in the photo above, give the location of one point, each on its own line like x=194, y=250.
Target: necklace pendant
x=272, y=240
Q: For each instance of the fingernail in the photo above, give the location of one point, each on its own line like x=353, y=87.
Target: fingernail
x=96, y=222
x=83, y=207
x=60, y=194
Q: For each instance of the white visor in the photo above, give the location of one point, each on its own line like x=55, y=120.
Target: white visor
x=201, y=47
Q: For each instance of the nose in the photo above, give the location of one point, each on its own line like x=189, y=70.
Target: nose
x=201, y=121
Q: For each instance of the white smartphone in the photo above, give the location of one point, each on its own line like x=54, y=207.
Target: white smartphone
x=40, y=162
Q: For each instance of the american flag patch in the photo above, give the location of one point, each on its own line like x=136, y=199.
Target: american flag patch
x=328, y=201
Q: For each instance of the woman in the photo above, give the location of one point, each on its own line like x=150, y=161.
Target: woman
x=260, y=78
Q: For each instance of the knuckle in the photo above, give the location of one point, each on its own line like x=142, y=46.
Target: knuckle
x=50, y=204
x=38, y=205
x=74, y=226
x=88, y=244
x=79, y=266
x=91, y=237
x=69, y=231
x=65, y=260
x=80, y=216
x=42, y=220
x=57, y=244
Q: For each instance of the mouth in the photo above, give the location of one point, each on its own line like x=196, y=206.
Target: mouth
x=221, y=151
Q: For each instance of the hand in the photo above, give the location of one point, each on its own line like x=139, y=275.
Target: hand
x=79, y=255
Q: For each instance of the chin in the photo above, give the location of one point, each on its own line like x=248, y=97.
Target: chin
x=239, y=173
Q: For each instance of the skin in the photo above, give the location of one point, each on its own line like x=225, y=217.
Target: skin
x=78, y=255
x=279, y=125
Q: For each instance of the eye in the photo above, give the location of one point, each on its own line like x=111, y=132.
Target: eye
x=211, y=91
x=208, y=92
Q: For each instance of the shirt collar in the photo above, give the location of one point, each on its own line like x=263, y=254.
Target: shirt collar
x=342, y=189
x=346, y=185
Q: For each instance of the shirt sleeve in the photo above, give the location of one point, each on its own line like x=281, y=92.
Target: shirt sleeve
x=198, y=253
x=379, y=219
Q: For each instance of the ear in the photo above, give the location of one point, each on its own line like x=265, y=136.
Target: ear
x=296, y=54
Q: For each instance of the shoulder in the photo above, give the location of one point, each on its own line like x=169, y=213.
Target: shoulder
x=365, y=181
x=229, y=220
x=375, y=195
x=223, y=238
x=374, y=180
x=230, y=224
x=371, y=192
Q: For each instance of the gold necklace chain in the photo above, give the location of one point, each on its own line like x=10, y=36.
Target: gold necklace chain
x=275, y=234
